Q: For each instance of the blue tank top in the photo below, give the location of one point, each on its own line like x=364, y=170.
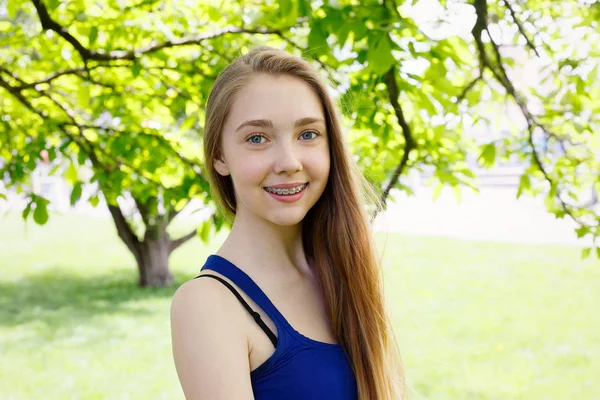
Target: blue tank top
x=300, y=368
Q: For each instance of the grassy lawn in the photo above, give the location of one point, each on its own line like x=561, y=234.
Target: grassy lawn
x=475, y=320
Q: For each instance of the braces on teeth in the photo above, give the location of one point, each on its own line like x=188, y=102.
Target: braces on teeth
x=289, y=191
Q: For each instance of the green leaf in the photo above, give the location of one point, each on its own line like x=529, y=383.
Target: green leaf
x=27, y=210
x=457, y=193
x=426, y=103
x=93, y=35
x=585, y=253
x=204, y=230
x=180, y=205
x=53, y=170
x=2, y=196
x=317, y=38
x=71, y=174
x=76, y=193
x=94, y=200
x=81, y=157
x=303, y=8
x=188, y=123
x=446, y=176
x=458, y=49
x=83, y=95
x=64, y=144
x=285, y=7
x=380, y=56
x=288, y=11
x=191, y=108
x=40, y=214
x=214, y=13
x=438, y=190
x=53, y=4
x=218, y=220
x=582, y=231
x=12, y=8
x=524, y=184
x=343, y=31
x=136, y=69
x=488, y=155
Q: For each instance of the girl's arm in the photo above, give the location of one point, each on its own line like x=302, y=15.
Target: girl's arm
x=209, y=348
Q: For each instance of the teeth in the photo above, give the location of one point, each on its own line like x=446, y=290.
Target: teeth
x=288, y=191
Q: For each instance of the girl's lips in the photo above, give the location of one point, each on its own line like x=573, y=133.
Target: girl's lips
x=287, y=198
x=287, y=185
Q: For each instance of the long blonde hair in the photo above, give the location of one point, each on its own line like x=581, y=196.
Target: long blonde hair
x=336, y=230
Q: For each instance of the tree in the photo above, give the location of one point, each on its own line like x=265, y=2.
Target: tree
x=130, y=116
x=120, y=88
x=419, y=120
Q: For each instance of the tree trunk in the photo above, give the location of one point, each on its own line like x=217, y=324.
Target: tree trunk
x=152, y=253
x=153, y=261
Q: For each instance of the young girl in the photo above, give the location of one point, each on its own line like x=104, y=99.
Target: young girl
x=292, y=306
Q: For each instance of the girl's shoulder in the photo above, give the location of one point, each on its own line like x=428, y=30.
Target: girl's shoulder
x=208, y=298
x=208, y=345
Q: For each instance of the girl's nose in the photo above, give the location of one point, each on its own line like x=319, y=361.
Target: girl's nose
x=287, y=159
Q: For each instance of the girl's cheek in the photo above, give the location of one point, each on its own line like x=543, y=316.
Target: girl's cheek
x=254, y=168
x=318, y=161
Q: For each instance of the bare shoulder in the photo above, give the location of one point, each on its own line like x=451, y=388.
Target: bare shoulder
x=202, y=295
x=209, y=347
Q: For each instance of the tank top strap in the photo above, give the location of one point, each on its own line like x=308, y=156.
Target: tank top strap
x=246, y=284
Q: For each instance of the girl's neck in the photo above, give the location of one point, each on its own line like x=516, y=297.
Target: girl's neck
x=266, y=248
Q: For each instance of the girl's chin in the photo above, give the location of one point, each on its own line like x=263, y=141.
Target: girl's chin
x=286, y=219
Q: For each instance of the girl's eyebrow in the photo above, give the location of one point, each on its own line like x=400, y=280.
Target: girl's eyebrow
x=261, y=123
x=266, y=123
x=308, y=121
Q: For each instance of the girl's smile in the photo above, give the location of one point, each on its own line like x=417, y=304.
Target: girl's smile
x=287, y=193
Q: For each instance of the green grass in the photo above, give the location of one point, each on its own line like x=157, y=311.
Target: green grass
x=475, y=320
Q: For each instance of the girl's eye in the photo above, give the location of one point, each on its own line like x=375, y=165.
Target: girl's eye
x=306, y=135
x=255, y=139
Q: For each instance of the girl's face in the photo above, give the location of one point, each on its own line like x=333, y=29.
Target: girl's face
x=275, y=147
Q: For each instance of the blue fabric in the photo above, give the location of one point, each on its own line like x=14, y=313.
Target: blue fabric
x=300, y=368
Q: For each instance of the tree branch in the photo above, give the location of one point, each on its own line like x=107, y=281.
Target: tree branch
x=182, y=93
x=168, y=145
x=478, y=28
x=467, y=88
x=143, y=210
x=17, y=93
x=520, y=26
x=49, y=24
x=178, y=242
x=14, y=76
x=124, y=230
x=86, y=54
x=70, y=71
x=195, y=39
x=409, y=143
x=51, y=77
x=172, y=213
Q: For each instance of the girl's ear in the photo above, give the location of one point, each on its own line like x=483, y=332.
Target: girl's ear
x=221, y=167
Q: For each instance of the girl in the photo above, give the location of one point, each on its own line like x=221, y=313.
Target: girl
x=293, y=307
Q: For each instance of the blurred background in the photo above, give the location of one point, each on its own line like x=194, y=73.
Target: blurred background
x=476, y=121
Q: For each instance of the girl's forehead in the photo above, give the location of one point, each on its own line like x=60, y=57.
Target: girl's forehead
x=276, y=98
